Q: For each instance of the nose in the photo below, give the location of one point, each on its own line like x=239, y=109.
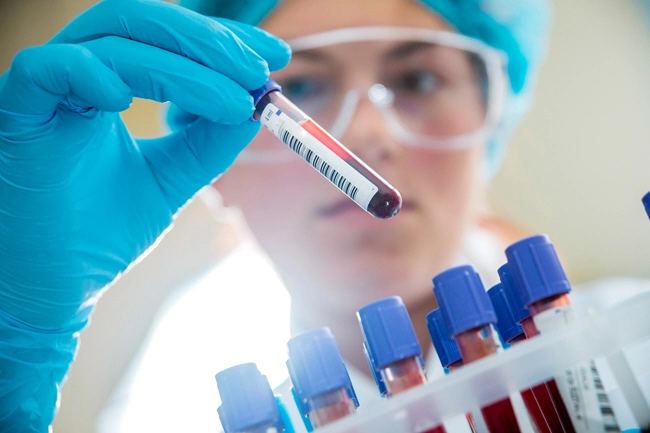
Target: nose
x=367, y=135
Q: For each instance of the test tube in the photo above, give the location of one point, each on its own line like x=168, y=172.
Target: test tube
x=447, y=349
x=323, y=152
x=468, y=315
x=538, y=399
x=247, y=401
x=392, y=347
x=320, y=379
x=543, y=287
x=546, y=395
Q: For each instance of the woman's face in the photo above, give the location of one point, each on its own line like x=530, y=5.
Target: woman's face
x=331, y=252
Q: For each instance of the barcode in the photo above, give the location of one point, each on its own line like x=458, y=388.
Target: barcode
x=609, y=419
x=318, y=163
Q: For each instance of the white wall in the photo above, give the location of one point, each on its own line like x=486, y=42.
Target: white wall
x=580, y=163
x=577, y=170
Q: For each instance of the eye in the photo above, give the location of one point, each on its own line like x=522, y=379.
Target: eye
x=304, y=88
x=417, y=81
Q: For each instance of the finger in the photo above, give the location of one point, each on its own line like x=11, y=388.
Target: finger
x=177, y=118
x=177, y=30
x=186, y=161
x=40, y=77
x=156, y=74
x=277, y=55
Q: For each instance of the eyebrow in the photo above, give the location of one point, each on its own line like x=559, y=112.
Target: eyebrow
x=406, y=49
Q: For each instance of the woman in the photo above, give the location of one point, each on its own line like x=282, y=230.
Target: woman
x=448, y=94
x=102, y=200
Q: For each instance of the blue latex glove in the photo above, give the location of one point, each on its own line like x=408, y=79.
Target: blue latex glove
x=80, y=199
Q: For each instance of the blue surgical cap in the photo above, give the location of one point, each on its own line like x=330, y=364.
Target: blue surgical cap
x=519, y=28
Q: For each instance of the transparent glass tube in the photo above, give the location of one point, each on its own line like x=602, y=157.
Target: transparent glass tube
x=608, y=420
x=327, y=155
x=470, y=417
x=329, y=407
x=476, y=344
x=549, y=415
x=403, y=375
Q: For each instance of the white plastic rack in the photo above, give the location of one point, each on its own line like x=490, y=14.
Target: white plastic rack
x=602, y=334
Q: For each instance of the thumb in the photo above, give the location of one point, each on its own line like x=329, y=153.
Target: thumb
x=191, y=158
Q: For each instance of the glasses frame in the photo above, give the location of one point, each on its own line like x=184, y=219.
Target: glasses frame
x=497, y=81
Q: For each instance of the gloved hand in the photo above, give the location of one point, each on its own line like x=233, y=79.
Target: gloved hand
x=80, y=199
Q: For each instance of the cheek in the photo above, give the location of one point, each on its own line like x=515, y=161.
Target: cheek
x=276, y=199
x=449, y=182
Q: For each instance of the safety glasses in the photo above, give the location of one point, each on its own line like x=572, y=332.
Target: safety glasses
x=433, y=89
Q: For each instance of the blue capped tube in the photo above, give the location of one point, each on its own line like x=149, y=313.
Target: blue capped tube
x=469, y=315
x=392, y=345
x=325, y=153
x=392, y=348
x=507, y=326
x=446, y=347
x=247, y=401
x=321, y=382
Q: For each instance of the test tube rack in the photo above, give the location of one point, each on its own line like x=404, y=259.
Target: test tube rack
x=600, y=334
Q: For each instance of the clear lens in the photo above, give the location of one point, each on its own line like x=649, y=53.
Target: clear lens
x=433, y=88
x=439, y=91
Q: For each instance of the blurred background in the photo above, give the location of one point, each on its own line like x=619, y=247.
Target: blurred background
x=576, y=170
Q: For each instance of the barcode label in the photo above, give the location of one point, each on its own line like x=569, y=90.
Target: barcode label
x=580, y=386
x=607, y=412
x=319, y=156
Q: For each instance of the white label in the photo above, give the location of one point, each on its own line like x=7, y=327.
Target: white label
x=457, y=424
x=556, y=318
x=580, y=386
x=329, y=164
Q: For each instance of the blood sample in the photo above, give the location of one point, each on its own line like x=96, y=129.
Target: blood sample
x=545, y=395
x=538, y=400
x=543, y=287
x=323, y=152
x=320, y=379
x=468, y=315
x=392, y=348
x=447, y=349
x=247, y=402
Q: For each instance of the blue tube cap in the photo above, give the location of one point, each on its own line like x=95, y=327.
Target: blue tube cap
x=506, y=324
x=536, y=269
x=316, y=367
x=446, y=347
x=388, y=332
x=462, y=299
x=246, y=399
x=646, y=203
x=268, y=87
x=519, y=310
